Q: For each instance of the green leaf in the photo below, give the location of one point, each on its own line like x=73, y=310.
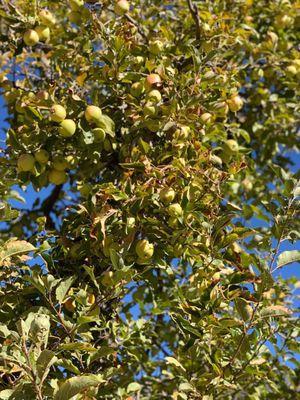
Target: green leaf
x=77, y=346
x=14, y=247
x=107, y=124
x=90, y=272
x=288, y=257
x=103, y=352
x=63, y=288
x=173, y=361
x=134, y=387
x=77, y=384
x=44, y=362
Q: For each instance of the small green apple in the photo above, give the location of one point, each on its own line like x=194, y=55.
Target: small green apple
x=154, y=96
x=93, y=114
x=99, y=134
x=67, y=128
x=59, y=163
x=221, y=108
x=152, y=80
x=31, y=37
x=149, y=110
x=235, y=103
x=137, y=88
x=144, y=249
x=175, y=210
x=57, y=113
x=206, y=118
x=156, y=47
x=57, y=177
x=173, y=222
x=230, y=146
x=47, y=18
x=121, y=7
x=43, y=31
x=167, y=195
x=26, y=162
x=42, y=156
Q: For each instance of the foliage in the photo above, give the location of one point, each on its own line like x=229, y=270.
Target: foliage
x=144, y=274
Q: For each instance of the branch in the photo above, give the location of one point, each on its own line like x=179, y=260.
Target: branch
x=49, y=203
x=139, y=29
x=194, y=12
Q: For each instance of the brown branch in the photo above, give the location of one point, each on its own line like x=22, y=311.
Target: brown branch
x=195, y=15
x=139, y=29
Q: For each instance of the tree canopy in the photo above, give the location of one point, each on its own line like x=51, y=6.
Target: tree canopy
x=164, y=135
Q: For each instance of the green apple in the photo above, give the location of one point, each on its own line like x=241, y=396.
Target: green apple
x=156, y=47
x=152, y=79
x=31, y=37
x=93, y=114
x=206, y=118
x=47, y=18
x=76, y=5
x=43, y=31
x=221, y=109
x=230, y=146
x=137, y=88
x=183, y=132
x=175, y=210
x=60, y=163
x=26, y=162
x=57, y=177
x=167, y=195
x=235, y=103
x=149, y=110
x=173, y=222
x=144, y=249
x=67, y=128
x=121, y=7
x=154, y=96
x=99, y=134
x=292, y=69
x=57, y=113
x=42, y=156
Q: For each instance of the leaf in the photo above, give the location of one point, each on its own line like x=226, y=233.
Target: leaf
x=173, y=361
x=44, y=362
x=77, y=346
x=63, y=288
x=68, y=365
x=75, y=385
x=6, y=394
x=14, y=247
x=103, y=352
x=276, y=310
x=90, y=272
x=288, y=257
x=106, y=123
x=134, y=387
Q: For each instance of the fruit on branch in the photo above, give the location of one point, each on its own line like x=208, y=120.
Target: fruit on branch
x=121, y=7
x=93, y=114
x=167, y=195
x=173, y=222
x=67, y=128
x=292, y=69
x=206, y=118
x=70, y=305
x=137, y=88
x=230, y=146
x=151, y=80
x=175, y=210
x=57, y=177
x=156, y=47
x=43, y=31
x=183, y=132
x=149, y=110
x=60, y=163
x=221, y=109
x=99, y=134
x=154, y=96
x=42, y=156
x=57, y=113
x=235, y=103
x=47, y=18
x=144, y=249
x=31, y=37
x=26, y=162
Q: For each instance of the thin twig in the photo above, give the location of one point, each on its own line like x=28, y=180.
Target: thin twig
x=194, y=12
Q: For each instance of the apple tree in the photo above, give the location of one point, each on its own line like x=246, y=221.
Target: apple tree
x=159, y=141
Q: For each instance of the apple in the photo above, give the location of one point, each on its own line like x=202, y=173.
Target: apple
x=167, y=195
x=26, y=162
x=31, y=37
x=156, y=47
x=60, y=163
x=292, y=69
x=206, y=118
x=67, y=128
x=76, y=5
x=235, y=103
x=138, y=60
x=57, y=177
x=152, y=79
x=130, y=223
x=41, y=95
x=221, y=108
x=154, y=96
x=149, y=109
x=70, y=305
x=121, y=7
x=175, y=210
x=137, y=88
x=215, y=160
x=173, y=222
x=283, y=20
x=92, y=114
x=43, y=31
x=74, y=17
x=152, y=124
x=144, y=249
x=42, y=156
x=183, y=132
x=47, y=18
x=99, y=134
x=57, y=113
x=230, y=146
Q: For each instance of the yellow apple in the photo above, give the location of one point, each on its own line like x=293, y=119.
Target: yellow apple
x=156, y=47
x=144, y=249
x=60, y=163
x=154, y=96
x=149, y=109
x=137, y=88
x=42, y=156
x=57, y=177
x=99, y=134
x=235, y=103
x=121, y=7
x=43, y=32
x=26, y=162
x=57, y=113
x=230, y=146
x=67, y=128
x=31, y=37
x=167, y=195
x=47, y=18
x=175, y=210
x=206, y=118
x=93, y=114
